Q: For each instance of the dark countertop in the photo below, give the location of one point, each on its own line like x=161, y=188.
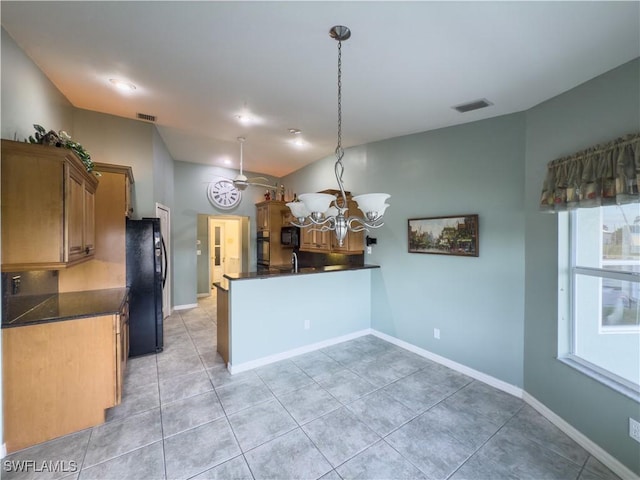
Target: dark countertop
x=63, y=306
x=283, y=271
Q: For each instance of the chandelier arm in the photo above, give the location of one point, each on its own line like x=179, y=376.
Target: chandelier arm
x=364, y=224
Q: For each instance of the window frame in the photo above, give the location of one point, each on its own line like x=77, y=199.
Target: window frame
x=568, y=270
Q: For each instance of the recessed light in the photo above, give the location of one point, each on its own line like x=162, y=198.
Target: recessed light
x=122, y=85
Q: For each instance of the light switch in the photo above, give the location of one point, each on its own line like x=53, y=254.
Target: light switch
x=198, y=252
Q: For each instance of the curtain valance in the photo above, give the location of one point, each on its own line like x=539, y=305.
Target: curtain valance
x=601, y=175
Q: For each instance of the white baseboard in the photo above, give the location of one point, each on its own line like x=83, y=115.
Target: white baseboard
x=611, y=462
x=483, y=377
x=185, y=307
x=607, y=459
x=203, y=295
x=260, y=362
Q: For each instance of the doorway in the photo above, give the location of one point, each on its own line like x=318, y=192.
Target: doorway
x=228, y=247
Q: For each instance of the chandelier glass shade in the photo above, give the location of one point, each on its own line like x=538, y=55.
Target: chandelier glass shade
x=325, y=212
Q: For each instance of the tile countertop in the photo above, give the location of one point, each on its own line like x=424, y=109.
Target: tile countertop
x=281, y=272
x=63, y=306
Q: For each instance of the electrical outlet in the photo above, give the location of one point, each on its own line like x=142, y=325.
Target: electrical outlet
x=634, y=429
x=307, y=324
x=15, y=284
x=436, y=333
x=369, y=250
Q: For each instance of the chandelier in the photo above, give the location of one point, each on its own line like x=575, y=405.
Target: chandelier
x=324, y=212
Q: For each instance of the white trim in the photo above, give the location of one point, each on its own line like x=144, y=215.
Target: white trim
x=607, y=459
x=3, y=450
x=483, y=377
x=260, y=362
x=203, y=295
x=185, y=307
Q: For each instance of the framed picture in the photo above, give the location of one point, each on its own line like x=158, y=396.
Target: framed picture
x=444, y=235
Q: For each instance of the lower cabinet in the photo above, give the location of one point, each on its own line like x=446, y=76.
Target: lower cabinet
x=60, y=377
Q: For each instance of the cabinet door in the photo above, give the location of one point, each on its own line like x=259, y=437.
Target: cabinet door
x=89, y=232
x=313, y=240
x=81, y=224
x=75, y=214
x=32, y=208
x=262, y=217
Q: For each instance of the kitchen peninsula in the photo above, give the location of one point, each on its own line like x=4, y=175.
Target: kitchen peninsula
x=298, y=312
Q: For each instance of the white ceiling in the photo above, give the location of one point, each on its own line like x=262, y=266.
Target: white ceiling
x=197, y=65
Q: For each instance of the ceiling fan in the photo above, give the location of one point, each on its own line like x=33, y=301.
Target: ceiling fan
x=241, y=182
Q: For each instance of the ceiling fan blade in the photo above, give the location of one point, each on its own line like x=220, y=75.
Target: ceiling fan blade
x=258, y=180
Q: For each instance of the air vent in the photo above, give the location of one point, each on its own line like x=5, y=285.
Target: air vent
x=147, y=117
x=475, y=105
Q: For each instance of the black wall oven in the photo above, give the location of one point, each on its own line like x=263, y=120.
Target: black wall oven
x=262, y=245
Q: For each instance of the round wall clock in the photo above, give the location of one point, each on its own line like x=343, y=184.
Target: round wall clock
x=224, y=194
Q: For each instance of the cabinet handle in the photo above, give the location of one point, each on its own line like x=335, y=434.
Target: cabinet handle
x=87, y=250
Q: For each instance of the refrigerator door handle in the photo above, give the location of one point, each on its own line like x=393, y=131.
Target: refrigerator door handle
x=165, y=261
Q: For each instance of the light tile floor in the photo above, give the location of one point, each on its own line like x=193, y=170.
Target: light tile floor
x=360, y=409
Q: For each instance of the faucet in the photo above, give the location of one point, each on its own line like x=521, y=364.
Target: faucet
x=294, y=261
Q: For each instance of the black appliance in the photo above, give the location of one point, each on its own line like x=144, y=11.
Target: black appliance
x=262, y=247
x=290, y=237
x=146, y=275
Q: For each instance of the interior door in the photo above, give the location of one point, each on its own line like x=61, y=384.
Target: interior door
x=217, y=250
x=164, y=214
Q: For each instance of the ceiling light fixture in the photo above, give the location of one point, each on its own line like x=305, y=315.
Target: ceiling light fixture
x=122, y=85
x=314, y=210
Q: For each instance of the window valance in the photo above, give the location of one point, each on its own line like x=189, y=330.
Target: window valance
x=601, y=175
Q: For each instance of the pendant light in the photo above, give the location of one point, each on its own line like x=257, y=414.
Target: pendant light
x=325, y=212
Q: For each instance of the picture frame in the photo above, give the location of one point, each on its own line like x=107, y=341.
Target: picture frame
x=448, y=235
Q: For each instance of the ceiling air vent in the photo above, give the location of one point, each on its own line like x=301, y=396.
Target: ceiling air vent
x=147, y=117
x=475, y=105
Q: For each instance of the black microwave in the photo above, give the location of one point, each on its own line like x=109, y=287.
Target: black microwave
x=290, y=237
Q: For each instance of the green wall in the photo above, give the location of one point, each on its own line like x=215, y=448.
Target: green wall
x=477, y=303
x=597, y=111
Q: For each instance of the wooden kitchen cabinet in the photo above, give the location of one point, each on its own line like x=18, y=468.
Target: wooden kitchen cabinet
x=326, y=242
x=269, y=216
x=312, y=240
x=60, y=377
x=48, y=208
x=107, y=269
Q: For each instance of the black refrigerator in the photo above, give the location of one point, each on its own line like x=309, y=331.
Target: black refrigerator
x=146, y=274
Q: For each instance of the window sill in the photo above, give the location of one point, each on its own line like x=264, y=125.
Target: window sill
x=615, y=383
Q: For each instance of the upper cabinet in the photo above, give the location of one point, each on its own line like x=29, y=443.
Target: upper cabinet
x=48, y=208
x=313, y=240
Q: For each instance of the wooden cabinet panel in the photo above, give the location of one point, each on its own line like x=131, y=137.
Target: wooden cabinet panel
x=269, y=216
x=122, y=349
x=326, y=242
x=47, y=208
x=107, y=269
x=58, y=378
x=222, y=305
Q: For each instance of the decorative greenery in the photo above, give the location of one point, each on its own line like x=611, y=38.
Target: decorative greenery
x=61, y=139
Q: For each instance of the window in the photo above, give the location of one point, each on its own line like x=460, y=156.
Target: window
x=604, y=337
